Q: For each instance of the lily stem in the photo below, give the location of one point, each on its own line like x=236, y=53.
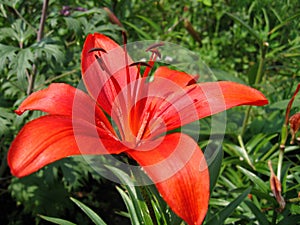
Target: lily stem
x=31, y=77
x=245, y=122
x=259, y=74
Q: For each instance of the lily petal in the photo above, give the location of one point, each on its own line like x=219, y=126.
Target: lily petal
x=63, y=99
x=180, y=78
x=178, y=168
x=50, y=138
x=197, y=101
x=107, y=76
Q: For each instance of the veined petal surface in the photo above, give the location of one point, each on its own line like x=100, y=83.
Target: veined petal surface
x=50, y=138
x=177, y=166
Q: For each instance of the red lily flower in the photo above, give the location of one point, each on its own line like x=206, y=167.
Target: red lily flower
x=142, y=112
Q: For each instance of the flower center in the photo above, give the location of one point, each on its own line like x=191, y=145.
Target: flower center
x=130, y=112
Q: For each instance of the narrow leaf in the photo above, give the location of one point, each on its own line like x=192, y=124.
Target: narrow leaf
x=261, y=217
x=291, y=220
x=221, y=216
x=125, y=179
x=255, y=179
x=214, y=165
x=130, y=207
x=90, y=213
x=56, y=220
x=284, y=23
x=139, y=31
x=151, y=23
x=244, y=24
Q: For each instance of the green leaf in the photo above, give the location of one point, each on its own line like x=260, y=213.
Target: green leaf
x=241, y=152
x=261, y=217
x=151, y=23
x=255, y=179
x=49, y=50
x=73, y=24
x=134, y=218
x=285, y=22
x=244, y=24
x=143, y=34
x=7, y=53
x=89, y=212
x=56, y=220
x=133, y=195
x=214, y=165
x=291, y=220
x=207, y=2
x=22, y=63
x=221, y=216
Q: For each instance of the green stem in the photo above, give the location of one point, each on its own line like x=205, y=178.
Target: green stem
x=246, y=118
x=275, y=147
x=22, y=18
x=31, y=78
x=259, y=74
x=260, y=70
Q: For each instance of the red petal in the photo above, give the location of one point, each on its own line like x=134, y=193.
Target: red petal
x=56, y=99
x=180, y=78
x=185, y=105
x=178, y=168
x=105, y=79
x=50, y=138
x=63, y=99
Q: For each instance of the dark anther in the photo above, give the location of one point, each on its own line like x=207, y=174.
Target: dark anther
x=159, y=44
x=124, y=37
x=96, y=50
x=156, y=51
x=140, y=64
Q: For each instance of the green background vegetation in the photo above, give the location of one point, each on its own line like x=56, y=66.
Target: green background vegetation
x=252, y=42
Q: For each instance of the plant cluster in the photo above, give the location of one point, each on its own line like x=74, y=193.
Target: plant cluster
x=255, y=174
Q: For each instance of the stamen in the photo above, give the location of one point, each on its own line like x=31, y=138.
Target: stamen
x=126, y=56
x=97, y=50
x=155, y=45
x=111, y=77
x=151, y=63
x=102, y=64
x=155, y=53
x=140, y=64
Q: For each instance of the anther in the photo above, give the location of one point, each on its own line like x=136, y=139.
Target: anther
x=156, y=52
x=159, y=44
x=97, y=50
x=140, y=64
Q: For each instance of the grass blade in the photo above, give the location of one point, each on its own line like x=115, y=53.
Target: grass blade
x=221, y=216
x=89, y=212
x=244, y=24
x=56, y=220
x=261, y=217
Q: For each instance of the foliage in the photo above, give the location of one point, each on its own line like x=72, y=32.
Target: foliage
x=252, y=42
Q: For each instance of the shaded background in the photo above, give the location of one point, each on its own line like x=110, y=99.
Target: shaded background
x=252, y=42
